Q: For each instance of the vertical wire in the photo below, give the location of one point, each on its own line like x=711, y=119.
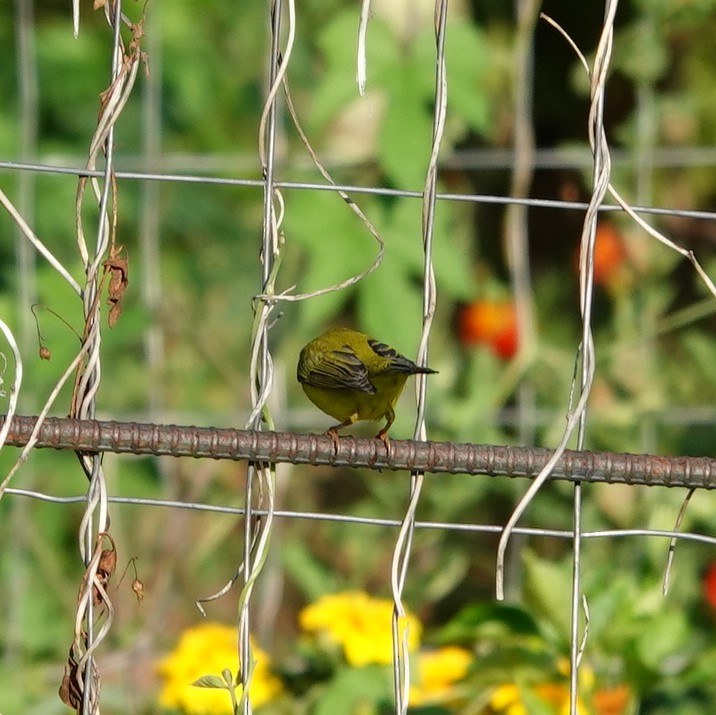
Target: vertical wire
x=269, y=250
x=26, y=71
x=28, y=90
x=88, y=386
x=574, y=636
x=268, y=247
x=646, y=136
x=149, y=226
x=517, y=233
x=401, y=554
x=601, y=172
x=517, y=213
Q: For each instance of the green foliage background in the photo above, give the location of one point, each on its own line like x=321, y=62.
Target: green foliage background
x=653, y=331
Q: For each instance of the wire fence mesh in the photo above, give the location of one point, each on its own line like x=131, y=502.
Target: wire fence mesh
x=136, y=161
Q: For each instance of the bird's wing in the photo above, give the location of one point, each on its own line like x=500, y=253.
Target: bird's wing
x=397, y=363
x=336, y=369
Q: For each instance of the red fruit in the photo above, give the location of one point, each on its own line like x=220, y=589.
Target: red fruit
x=489, y=322
x=709, y=585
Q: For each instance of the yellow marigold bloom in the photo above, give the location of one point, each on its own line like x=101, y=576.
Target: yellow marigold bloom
x=209, y=649
x=507, y=699
x=438, y=671
x=361, y=625
x=586, y=674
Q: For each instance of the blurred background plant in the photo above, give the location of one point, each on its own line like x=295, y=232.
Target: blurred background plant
x=488, y=659
x=180, y=350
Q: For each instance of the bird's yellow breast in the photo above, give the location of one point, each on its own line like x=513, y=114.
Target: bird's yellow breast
x=344, y=404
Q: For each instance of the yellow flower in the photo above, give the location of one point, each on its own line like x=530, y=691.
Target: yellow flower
x=507, y=699
x=361, y=625
x=586, y=674
x=438, y=671
x=209, y=649
x=557, y=694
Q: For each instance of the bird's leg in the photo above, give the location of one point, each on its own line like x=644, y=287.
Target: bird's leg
x=332, y=432
x=383, y=434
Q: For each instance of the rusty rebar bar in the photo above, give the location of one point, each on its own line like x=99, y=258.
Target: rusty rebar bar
x=434, y=457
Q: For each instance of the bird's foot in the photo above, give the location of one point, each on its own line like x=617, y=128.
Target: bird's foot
x=333, y=434
x=383, y=437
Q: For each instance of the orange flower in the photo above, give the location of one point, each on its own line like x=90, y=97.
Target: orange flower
x=492, y=323
x=612, y=701
x=610, y=256
x=609, y=252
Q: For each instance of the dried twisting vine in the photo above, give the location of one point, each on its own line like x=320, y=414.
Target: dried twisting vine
x=103, y=262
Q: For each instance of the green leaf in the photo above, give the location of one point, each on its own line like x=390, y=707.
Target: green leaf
x=390, y=305
x=337, y=243
x=312, y=577
x=479, y=619
x=548, y=586
x=355, y=688
x=452, y=262
x=406, y=134
x=483, y=384
x=700, y=348
x=469, y=66
x=211, y=681
x=336, y=246
x=641, y=52
x=337, y=43
x=664, y=642
x=534, y=704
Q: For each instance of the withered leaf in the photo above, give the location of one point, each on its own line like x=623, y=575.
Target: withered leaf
x=69, y=690
x=107, y=562
x=138, y=588
x=117, y=265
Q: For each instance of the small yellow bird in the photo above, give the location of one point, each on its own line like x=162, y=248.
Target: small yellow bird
x=352, y=377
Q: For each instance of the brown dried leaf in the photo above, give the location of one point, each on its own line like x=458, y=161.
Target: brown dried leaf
x=64, y=691
x=107, y=562
x=105, y=568
x=69, y=690
x=138, y=588
x=117, y=265
x=114, y=313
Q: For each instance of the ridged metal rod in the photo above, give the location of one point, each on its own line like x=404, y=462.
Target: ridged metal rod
x=434, y=457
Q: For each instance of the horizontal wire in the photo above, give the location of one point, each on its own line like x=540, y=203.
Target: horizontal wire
x=353, y=189
x=483, y=158
x=581, y=158
x=434, y=457
x=367, y=521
